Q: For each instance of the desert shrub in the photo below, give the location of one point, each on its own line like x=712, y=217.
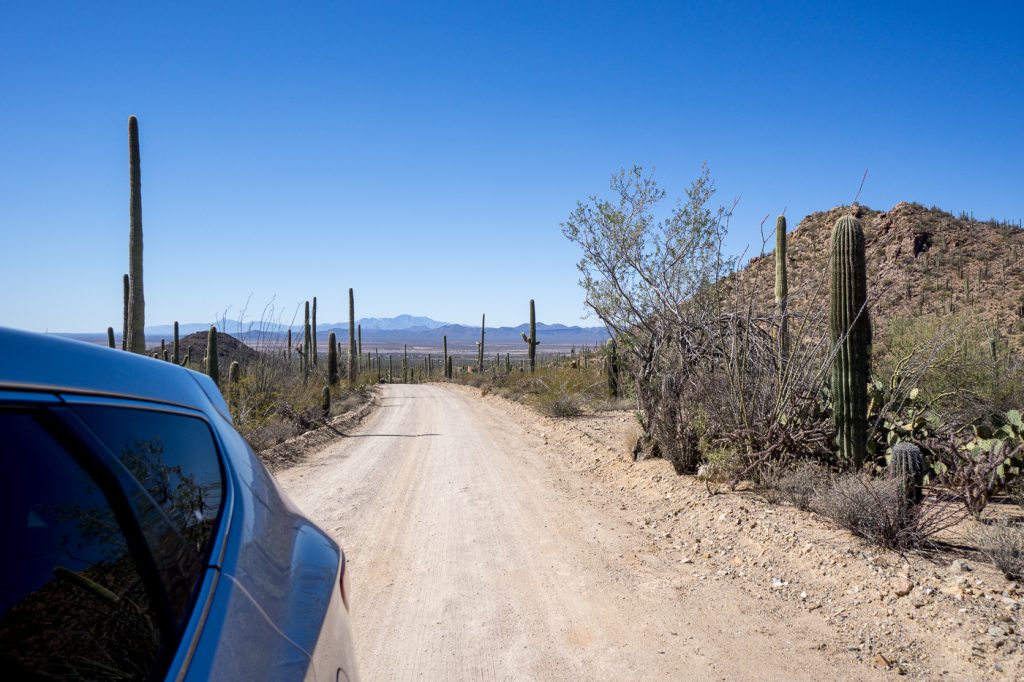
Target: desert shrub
x=273, y=401
x=797, y=484
x=1003, y=544
x=876, y=510
x=558, y=405
x=964, y=372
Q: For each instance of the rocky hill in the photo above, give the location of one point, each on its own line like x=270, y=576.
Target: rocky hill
x=921, y=261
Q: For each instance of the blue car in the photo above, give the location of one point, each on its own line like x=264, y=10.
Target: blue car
x=143, y=538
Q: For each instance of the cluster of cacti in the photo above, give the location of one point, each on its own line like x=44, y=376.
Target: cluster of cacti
x=906, y=465
x=531, y=340
x=851, y=340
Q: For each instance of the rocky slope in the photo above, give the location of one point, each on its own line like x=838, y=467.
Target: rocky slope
x=921, y=261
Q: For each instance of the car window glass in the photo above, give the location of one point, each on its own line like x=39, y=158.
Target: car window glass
x=175, y=460
x=72, y=599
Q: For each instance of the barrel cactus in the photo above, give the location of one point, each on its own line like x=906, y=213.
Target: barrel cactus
x=906, y=465
x=851, y=340
x=234, y=372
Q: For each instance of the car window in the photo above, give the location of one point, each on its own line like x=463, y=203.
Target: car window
x=174, y=458
x=73, y=601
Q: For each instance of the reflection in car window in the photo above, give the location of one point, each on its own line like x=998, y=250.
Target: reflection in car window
x=175, y=460
x=72, y=600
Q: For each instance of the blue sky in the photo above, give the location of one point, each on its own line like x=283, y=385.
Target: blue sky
x=426, y=153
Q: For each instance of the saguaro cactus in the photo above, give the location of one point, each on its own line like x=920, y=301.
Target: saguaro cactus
x=480, y=346
x=359, y=343
x=124, y=327
x=234, y=372
x=325, y=400
x=613, y=369
x=313, y=337
x=136, y=342
x=447, y=365
x=176, y=346
x=289, y=344
x=781, y=286
x=332, y=359
x=110, y=337
x=352, y=350
x=531, y=340
x=212, y=363
x=851, y=340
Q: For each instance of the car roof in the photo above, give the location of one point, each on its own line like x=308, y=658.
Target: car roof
x=54, y=364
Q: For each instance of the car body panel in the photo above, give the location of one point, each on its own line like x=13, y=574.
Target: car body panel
x=270, y=603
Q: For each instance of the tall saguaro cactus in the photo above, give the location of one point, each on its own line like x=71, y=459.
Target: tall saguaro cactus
x=212, y=363
x=136, y=342
x=124, y=310
x=313, y=338
x=531, y=340
x=332, y=359
x=359, y=343
x=851, y=340
x=352, y=351
x=176, y=346
x=612, y=369
x=480, y=349
x=781, y=286
x=447, y=365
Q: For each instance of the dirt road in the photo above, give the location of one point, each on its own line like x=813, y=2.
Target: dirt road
x=474, y=556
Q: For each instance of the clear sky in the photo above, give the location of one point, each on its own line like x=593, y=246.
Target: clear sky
x=425, y=154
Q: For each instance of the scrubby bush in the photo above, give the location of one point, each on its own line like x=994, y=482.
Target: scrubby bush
x=1003, y=544
x=877, y=510
x=797, y=484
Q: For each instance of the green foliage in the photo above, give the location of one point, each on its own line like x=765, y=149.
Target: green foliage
x=851, y=339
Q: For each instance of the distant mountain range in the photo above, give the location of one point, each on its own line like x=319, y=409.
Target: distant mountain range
x=385, y=333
